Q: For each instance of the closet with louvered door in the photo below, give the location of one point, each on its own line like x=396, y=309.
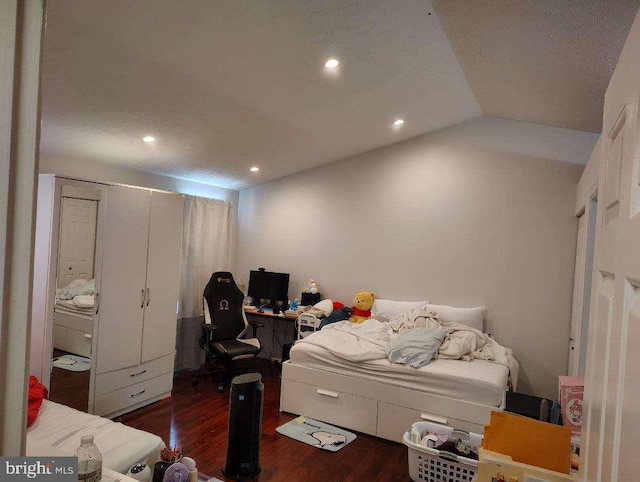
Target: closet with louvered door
x=138, y=299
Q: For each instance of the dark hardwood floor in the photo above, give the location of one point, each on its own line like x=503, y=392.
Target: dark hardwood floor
x=69, y=388
x=195, y=418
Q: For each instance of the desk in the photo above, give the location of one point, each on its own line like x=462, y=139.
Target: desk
x=275, y=332
x=268, y=313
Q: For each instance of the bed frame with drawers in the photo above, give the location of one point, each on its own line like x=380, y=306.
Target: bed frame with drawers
x=373, y=407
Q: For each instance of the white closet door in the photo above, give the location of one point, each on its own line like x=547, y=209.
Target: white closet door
x=613, y=379
x=163, y=275
x=77, y=240
x=123, y=279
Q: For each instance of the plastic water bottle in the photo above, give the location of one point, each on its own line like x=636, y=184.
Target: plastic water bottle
x=89, y=460
x=294, y=305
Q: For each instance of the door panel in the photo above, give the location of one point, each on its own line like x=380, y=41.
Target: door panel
x=77, y=240
x=628, y=422
x=612, y=386
x=614, y=166
x=598, y=379
x=163, y=275
x=124, y=266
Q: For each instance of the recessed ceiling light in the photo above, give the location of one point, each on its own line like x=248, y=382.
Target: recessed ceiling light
x=331, y=63
x=149, y=139
x=254, y=169
x=398, y=122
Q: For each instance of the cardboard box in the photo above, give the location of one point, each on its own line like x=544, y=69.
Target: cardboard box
x=571, y=392
x=496, y=467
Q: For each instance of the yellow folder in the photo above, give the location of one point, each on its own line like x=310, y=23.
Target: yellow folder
x=529, y=441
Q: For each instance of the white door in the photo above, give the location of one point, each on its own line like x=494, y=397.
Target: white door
x=613, y=378
x=123, y=278
x=163, y=275
x=77, y=240
x=578, y=290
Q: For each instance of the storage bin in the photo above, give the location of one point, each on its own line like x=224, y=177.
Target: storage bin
x=432, y=465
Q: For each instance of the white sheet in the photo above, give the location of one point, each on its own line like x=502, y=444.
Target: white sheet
x=476, y=381
x=80, y=314
x=84, y=307
x=62, y=427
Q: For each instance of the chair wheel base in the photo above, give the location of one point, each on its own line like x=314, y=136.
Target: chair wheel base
x=221, y=387
x=195, y=381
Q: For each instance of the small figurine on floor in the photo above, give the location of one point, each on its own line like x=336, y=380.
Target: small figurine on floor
x=361, y=310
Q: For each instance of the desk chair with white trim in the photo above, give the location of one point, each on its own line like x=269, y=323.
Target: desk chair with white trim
x=224, y=327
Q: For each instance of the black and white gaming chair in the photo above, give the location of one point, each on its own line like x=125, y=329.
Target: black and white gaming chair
x=225, y=325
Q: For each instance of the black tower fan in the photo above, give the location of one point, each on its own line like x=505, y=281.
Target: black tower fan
x=245, y=426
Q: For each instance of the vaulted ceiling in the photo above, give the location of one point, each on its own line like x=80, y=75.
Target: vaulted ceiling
x=227, y=85
x=542, y=61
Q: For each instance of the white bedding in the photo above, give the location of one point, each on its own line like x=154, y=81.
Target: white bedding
x=476, y=381
x=62, y=427
x=79, y=314
x=80, y=306
x=84, y=303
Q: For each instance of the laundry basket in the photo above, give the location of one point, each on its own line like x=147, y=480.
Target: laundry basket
x=432, y=465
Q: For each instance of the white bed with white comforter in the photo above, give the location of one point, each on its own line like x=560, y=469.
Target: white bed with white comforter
x=342, y=375
x=73, y=317
x=121, y=447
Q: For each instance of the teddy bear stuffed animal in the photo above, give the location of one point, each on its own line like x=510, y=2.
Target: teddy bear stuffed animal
x=361, y=310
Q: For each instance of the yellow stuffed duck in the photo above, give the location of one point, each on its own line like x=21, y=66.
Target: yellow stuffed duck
x=362, y=306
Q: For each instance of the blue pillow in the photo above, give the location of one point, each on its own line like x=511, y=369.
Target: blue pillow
x=416, y=347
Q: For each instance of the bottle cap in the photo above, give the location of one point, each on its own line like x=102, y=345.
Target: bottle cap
x=86, y=439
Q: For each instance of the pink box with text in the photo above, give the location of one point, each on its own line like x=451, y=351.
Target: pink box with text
x=571, y=391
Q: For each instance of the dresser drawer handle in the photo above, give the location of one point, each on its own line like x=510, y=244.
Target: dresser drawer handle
x=327, y=393
x=88, y=336
x=138, y=374
x=137, y=394
x=433, y=418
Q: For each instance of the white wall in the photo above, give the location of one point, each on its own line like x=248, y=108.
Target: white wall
x=98, y=171
x=466, y=216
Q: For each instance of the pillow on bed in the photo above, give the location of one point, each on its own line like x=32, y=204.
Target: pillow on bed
x=384, y=310
x=325, y=305
x=473, y=317
x=416, y=347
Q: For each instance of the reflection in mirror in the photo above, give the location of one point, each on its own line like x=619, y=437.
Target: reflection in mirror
x=74, y=305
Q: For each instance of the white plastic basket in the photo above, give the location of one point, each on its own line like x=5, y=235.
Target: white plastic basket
x=431, y=465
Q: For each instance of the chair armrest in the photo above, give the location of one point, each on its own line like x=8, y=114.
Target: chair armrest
x=207, y=329
x=255, y=325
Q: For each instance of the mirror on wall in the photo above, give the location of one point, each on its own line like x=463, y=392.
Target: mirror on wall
x=73, y=314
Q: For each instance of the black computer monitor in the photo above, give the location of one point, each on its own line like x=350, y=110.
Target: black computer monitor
x=266, y=285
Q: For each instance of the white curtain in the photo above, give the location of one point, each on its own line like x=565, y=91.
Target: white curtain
x=207, y=246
